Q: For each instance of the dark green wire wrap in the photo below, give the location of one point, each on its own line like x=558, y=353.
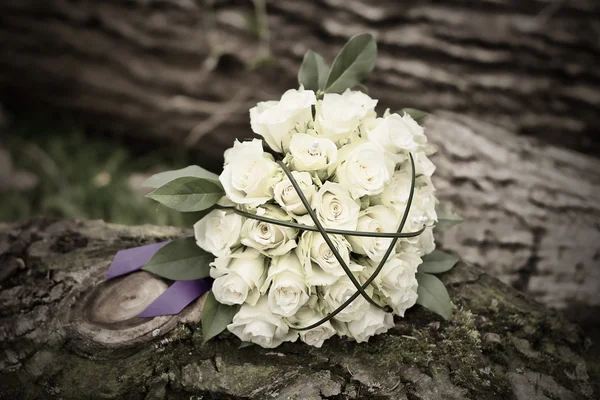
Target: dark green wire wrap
x=381, y=263
x=303, y=227
x=324, y=232
x=326, y=237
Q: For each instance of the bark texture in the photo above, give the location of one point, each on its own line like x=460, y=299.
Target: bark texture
x=66, y=334
x=186, y=72
x=532, y=216
x=150, y=67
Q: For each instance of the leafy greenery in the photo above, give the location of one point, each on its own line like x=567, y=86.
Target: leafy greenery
x=215, y=317
x=162, y=178
x=352, y=64
x=438, y=262
x=432, y=294
x=313, y=71
x=446, y=218
x=180, y=260
x=86, y=177
x=188, y=194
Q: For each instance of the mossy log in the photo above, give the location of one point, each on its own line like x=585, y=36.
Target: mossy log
x=65, y=333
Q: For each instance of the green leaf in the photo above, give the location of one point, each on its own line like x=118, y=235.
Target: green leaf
x=417, y=115
x=352, y=64
x=180, y=260
x=188, y=194
x=446, y=218
x=215, y=317
x=438, y=262
x=433, y=295
x=162, y=178
x=313, y=71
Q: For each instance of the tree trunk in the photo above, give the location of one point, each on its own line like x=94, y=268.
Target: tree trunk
x=148, y=67
x=65, y=333
x=532, y=216
x=182, y=72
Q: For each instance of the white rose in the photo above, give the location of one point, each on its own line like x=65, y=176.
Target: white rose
x=257, y=324
x=364, y=169
x=339, y=115
x=238, y=277
x=308, y=315
x=249, y=174
x=422, y=212
x=373, y=322
x=402, y=247
x=286, y=284
x=269, y=239
x=218, y=232
x=286, y=196
x=336, y=294
x=320, y=265
x=395, y=193
x=309, y=153
x=397, y=135
x=423, y=165
x=335, y=207
x=277, y=121
x=377, y=218
x=426, y=243
x=397, y=282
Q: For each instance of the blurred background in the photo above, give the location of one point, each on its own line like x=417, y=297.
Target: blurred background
x=96, y=96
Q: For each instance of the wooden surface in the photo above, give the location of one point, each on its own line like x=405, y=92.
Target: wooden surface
x=64, y=333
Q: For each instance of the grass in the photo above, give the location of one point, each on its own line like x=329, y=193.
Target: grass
x=84, y=176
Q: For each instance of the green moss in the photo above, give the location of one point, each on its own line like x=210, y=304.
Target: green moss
x=455, y=346
x=463, y=344
x=534, y=340
x=180, y=332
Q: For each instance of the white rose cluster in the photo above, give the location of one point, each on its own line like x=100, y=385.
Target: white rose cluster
x=354, y=169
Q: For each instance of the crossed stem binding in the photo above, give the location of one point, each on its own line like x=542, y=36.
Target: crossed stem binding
x=324, y=232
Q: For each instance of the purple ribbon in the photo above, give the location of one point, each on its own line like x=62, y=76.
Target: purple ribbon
x=177, y=297
x=173, y=300
x=130, y=260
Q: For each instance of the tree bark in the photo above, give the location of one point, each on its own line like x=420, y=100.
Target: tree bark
x=149, y=67
x=64, y=333
x=182, y=72
x=532, y=216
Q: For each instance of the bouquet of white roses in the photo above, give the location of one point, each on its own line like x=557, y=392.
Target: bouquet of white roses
x=328, y=231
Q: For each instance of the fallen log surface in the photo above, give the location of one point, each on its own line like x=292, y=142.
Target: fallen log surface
x=64, y=333
x=532, y=215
